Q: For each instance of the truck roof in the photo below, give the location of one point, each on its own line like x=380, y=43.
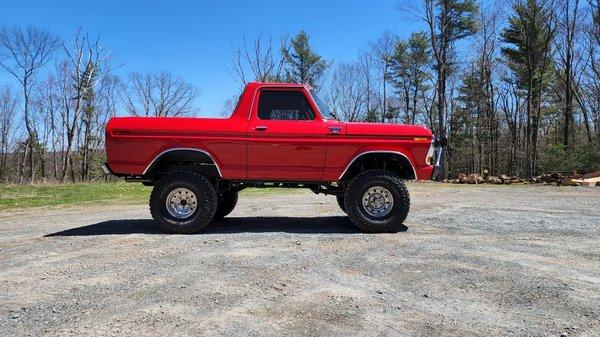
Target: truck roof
x=254, y=85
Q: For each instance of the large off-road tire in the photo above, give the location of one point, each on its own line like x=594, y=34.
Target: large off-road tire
x=183, y=202
x=226, y=204
x=377, y=201
x=340, y=201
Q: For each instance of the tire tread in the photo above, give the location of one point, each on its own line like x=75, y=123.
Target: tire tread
x=377, y=226
x=209, y=202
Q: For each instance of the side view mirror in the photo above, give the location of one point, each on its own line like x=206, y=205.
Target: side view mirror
x=443, y=141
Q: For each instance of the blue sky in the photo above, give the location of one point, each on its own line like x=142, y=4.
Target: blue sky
x=194, y=39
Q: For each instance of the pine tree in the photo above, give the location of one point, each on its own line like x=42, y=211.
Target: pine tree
x=529, y=35
x=409, y=72
x=303, y=65
x=466, y=156
x=448, y=21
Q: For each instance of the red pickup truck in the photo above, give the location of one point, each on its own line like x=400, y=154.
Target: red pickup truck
x=278, y=135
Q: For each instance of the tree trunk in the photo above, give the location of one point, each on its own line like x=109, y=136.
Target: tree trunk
x=22, y=161
x=384, y=94
x=527, y=166
x=67, y=163
x=534, y=134
x=29, y=128
x=568, y=100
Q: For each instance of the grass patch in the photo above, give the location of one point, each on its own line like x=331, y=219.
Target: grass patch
x=23, y=196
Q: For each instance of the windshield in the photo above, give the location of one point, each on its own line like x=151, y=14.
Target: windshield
x=325, y=112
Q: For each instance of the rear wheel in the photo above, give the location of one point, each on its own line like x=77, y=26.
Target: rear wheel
x=226, y=205
x=340, y=201
x=377, y=201
x=183, y=202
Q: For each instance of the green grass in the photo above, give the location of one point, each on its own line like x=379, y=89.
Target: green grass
x=22, y=196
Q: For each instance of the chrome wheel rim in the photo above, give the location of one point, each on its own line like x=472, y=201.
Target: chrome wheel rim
x=378, y=201
x=181, y=203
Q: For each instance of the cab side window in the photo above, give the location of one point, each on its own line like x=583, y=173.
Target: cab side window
x=284, y=106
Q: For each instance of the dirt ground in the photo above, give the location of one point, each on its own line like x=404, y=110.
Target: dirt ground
x=474, y=260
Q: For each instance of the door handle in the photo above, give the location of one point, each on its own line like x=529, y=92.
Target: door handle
x=335, y=129
x=260, y=128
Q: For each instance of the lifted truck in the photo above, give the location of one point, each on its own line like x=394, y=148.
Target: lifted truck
x=278, y=135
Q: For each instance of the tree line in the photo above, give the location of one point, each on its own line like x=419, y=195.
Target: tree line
x=52, y=122
x=515, y=86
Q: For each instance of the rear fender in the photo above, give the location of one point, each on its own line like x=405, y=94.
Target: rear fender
x=183, y=156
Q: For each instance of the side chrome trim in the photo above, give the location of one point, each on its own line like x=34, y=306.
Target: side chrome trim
x=183, y=149
x=384, y=151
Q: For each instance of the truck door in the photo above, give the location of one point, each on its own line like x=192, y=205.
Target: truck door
x=286, y=138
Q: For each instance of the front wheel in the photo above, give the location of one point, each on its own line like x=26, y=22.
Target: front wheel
x=377, y=201
x=183, y=202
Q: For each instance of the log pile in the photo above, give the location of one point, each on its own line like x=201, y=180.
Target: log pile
x=575, y=179
x=590, y=179
x=549, y=178
x=475, y=178
x=554, y=178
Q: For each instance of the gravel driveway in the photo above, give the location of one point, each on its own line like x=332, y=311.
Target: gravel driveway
x=474, y=260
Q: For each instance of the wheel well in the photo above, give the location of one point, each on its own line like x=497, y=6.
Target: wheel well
x=183, y=160
x=389, y=161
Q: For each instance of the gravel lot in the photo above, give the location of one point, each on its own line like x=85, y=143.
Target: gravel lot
x=474, y=260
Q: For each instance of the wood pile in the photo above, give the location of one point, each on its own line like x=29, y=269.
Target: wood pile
x=549, y=178
x=590, y=179
x=575, y=179
x=557, y=178
x=475, y=178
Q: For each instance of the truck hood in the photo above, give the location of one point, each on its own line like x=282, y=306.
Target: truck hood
x=381, y=129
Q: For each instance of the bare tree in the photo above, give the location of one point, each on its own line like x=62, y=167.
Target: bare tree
x=384, y=49
x=228, y=106
x=346, y=95
x=258, y=61
x=159, y=95
x=44, y=130
x=78, y=73
x=27, y=51
x=107, y=99
x=369, y=78
x=588, y=98
x=8, y=108
x=512, y=105
x=487, y=123
x=49, y=106
x=569, y=58
x=100, y=105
